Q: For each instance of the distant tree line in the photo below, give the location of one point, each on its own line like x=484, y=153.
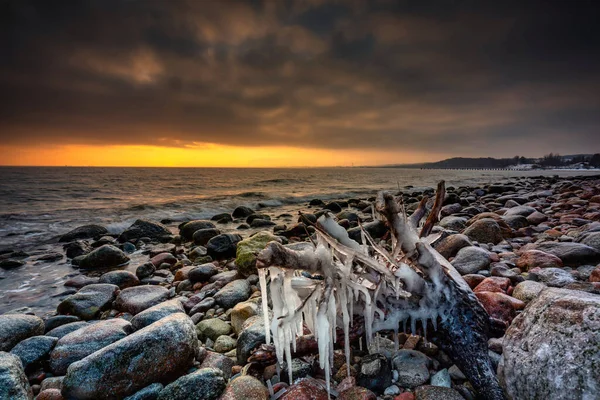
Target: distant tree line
x=549, y=160
x=556, y=160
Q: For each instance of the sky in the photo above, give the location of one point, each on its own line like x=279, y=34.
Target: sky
x=295, y=83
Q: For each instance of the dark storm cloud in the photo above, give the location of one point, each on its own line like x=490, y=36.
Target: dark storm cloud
x=470, y=77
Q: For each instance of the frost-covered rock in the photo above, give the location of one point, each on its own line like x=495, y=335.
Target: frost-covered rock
x=552, y=350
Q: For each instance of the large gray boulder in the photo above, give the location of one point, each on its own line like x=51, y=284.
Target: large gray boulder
x=485, y=230
x=107, y=256
x=89, y=301
x=13, y=382
x=471, y=259
x=79, y=344
x=233, y=293
x=552, y=349
x=17, y=327
x=158, y=353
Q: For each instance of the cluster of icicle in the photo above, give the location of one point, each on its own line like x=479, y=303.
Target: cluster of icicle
x=354, y=282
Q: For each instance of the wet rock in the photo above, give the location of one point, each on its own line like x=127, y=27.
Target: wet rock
x=516, y=221
x=261, y=223
x=155, y=313
x=212, y=328
x=242, y=212
x=84, y=232
x=245, y=388
x=528, y=290
x=17, y=327
x=375, y=373
x=89, y=301
x=357, y=393
x=233, y=293
x=592, y=240
x=163, y=258
x=150, y=392
x=536, y=258
x=536, y=218
x=412, y=367
x=252, y=336
x=437, y=393
x=79, y=344
x=11, y=263
x=13, y=382
x=551, y=349
x=300, y=369
x=80, y=281
x=188, y=229
x=65, y=329
x=202, y=273
x=143, y=228
x=156, y=353
x=247, y=250
x=306, y=389
x=473, y=280
x=223, y=245
x=123, y=279
x=208, y=382
x=34, y=349
x=493, y=284
x=145, y=270
x=484, y=231
x=58, y=320
x=554, y=277
x=470, y=260
x=571, y=253
x=450, y=246
x=107, y=256
x=202, y=236
x=136, y=299
x=522, y=211
x=76, y=249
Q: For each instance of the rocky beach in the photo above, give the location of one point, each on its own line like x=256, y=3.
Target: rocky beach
x=173, y=310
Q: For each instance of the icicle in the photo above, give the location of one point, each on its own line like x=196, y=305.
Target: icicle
x=323, y=343
x=262, y=279
x=343, y=292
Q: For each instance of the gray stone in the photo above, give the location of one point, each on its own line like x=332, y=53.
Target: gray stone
x=154, y=313
x=572, y=254
x=442, y=379
x=202, y=273
x=17, y=327
x=233, y=293
x=79, y=344
x=437, y=393
x=123, y=279
x=522, y=211
x=13, y=382
x=470, y=260
x=136, y=299
x=485, y=230
x=34, y=349
x=150, y=392
x=527, y=290
x=188, y=229
x=592, y=240
x=144, y=228
x=218, y=361
x=375, y=373
x=84, y=232
x=551, y=350
x=224, y=343
x=412, y=367
x=205, y=383
x=65, y=329
x=145, y=270
x=449, y=246
x=107, y=256
x=554, y=277
x=89, y=301
x=223, y=245
x=252, y=336
x=58, y=320
x=202, y=236
x=453, y=223
x=157, y=353
x=212, y=328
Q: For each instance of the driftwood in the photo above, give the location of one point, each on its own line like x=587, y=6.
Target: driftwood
x=412, y=285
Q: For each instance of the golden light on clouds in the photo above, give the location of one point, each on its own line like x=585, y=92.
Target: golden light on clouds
x=201, y=155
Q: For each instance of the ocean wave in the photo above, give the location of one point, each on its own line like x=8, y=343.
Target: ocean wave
x=278, y=180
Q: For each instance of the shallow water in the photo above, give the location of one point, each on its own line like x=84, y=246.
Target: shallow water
x=39, y=204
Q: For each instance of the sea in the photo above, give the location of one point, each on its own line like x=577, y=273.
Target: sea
x=38, y=204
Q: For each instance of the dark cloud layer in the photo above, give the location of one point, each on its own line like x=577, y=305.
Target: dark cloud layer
x=460, y=77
